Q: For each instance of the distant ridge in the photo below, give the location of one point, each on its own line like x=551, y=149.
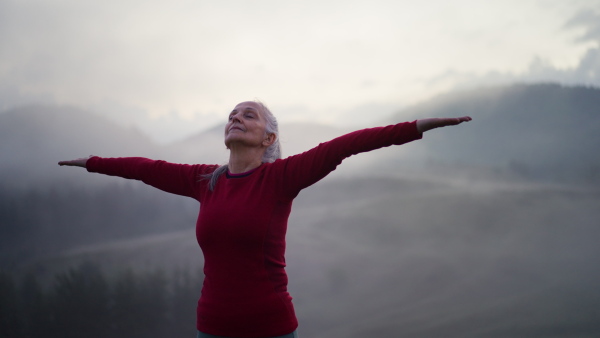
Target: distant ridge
x=539, y=130
x=34, y=138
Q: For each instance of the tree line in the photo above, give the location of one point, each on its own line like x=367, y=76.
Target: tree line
x=84, y=301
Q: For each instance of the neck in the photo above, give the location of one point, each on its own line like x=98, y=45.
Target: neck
x=243, y=161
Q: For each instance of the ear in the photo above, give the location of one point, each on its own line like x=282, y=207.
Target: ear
x=269, y=140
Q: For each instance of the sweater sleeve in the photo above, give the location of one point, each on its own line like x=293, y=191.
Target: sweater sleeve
x=180, y=179
x=305, y=169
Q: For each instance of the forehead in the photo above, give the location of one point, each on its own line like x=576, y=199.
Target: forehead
x=247, y=105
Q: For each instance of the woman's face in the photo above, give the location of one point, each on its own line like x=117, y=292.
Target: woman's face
x=246, y=126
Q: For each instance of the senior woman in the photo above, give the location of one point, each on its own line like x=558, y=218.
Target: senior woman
x=244, y=209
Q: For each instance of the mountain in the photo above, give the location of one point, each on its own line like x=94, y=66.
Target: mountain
x=539, y=131
x=544, y=131
x=33, y=139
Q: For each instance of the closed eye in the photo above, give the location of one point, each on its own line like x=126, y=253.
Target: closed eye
x=249, y=113
x=232, y=114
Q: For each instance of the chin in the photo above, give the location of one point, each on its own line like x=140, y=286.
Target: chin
x=230, y=139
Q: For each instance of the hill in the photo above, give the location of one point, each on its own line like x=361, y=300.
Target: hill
x=34, y=138
x=540, y=131
x=423, y=258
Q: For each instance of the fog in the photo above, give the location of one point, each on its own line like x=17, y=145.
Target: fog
x=453, y=261
x=487, y=229
x=475, y=230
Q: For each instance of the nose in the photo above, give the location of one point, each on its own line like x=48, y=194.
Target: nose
x=236, y=118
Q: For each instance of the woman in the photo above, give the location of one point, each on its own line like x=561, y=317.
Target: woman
x=244, y=208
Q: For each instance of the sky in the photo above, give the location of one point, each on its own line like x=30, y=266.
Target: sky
x=172, y=68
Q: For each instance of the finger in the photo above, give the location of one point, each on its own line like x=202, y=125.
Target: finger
x=69, y=162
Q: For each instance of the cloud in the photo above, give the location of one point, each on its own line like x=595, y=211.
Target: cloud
x=587, y=72
x=332, y=58
x=540, y=69
x=589, y=20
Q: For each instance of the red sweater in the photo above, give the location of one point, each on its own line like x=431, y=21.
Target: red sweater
x=242, y=224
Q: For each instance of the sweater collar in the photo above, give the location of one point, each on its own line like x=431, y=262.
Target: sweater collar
x=240, y=175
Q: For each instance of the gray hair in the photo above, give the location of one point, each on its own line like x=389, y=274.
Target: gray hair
x=272, y=153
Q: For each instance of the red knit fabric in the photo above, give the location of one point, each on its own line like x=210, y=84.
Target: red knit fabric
x=242, y=224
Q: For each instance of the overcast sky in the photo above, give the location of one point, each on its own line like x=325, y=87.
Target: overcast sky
x=175, y=67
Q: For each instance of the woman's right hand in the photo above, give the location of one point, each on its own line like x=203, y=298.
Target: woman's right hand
x=78, y=162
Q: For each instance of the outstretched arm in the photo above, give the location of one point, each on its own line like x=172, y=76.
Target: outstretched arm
x=303, y=170
x=180, y=179
x=424, y=125
x=307, y=168
x=78, y=162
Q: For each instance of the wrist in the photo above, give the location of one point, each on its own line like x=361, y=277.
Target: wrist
x=424, y=125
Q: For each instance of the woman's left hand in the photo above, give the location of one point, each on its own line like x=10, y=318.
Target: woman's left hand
x=424, y=125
